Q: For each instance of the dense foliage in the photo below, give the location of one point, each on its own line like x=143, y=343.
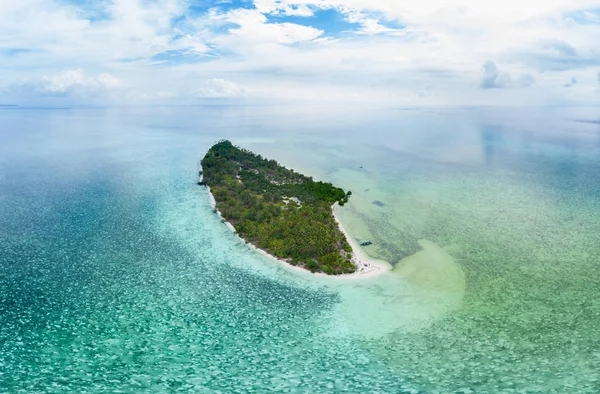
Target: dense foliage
x=278, y=210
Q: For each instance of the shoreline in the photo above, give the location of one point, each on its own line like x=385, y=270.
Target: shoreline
x=365, y=267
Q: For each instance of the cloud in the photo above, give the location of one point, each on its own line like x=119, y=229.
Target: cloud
x=74, y=83
x=598, y=77
x=369, y=25
x=556, y=55
x=371, y=49
x=69, y=86
x=526, y=80
x=220, y=88
x=572, y=82
x=253, y=26
x=559, y=48
x=299, y=10
x=492, y=77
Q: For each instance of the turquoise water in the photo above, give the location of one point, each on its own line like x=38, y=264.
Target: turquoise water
x=115, y=275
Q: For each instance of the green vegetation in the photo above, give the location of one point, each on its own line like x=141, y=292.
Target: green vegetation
x=278, y=210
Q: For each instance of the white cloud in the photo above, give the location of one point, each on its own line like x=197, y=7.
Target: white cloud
x=220, y=88
x=254, y=27
x=436, y=55
x=75, y=81
x=63, y=82
x=510, y=10
x=192, y=44
x=300, y=10
x=70, y=84
x=268, y=6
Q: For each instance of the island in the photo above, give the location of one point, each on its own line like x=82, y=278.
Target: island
x=282, y=212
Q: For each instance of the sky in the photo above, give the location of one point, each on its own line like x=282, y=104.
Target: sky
x=426, y=52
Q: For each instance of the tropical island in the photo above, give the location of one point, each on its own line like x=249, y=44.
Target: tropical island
x=286, y=214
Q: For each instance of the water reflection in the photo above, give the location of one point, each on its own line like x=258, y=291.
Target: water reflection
x=490, y=216
x=491, y=137
x=526, y=238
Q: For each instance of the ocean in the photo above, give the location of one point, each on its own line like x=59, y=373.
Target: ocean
x=116, y=275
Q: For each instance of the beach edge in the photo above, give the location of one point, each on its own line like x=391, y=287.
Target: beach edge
x=365, y=267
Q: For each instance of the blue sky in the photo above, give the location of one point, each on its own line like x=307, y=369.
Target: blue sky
x=452, y=52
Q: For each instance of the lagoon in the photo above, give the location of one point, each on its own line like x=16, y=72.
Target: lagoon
x=115, y=274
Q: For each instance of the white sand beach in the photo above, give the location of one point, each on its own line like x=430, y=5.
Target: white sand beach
x=365, y=266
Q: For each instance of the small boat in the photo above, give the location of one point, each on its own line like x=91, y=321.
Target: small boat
x=366, y=243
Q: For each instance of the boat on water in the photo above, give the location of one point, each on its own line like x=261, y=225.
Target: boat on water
x=366, y=243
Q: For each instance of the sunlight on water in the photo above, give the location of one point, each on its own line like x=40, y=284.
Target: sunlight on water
x=116, y=275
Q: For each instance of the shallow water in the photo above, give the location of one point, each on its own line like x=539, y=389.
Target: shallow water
x=115, y=275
